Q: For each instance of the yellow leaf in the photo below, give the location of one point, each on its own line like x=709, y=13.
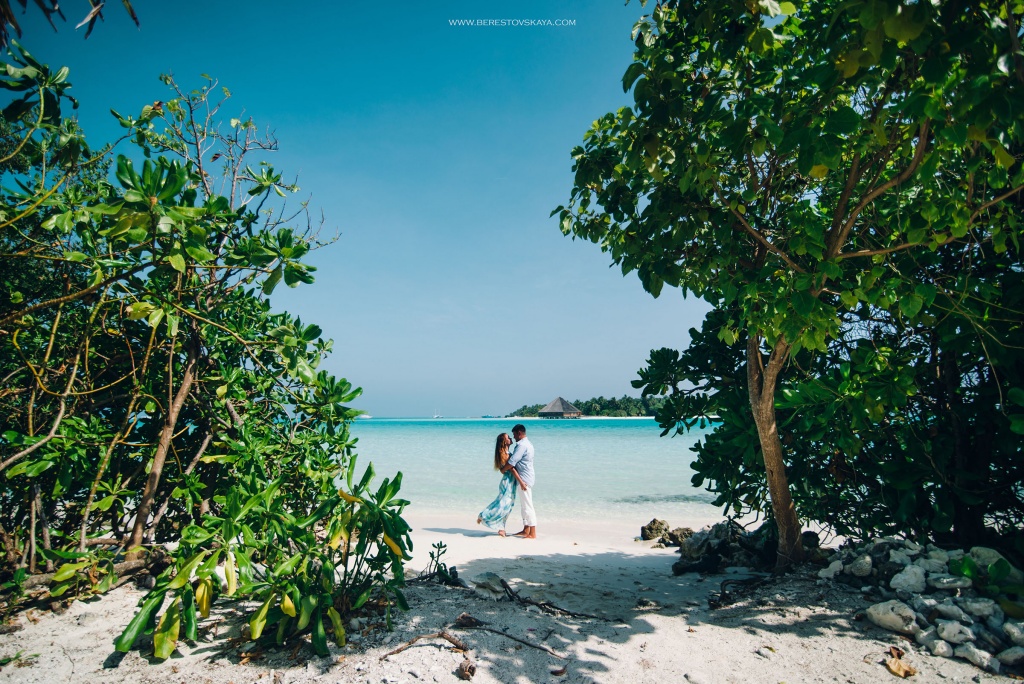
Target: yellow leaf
x=899, y=668
x=165, y=638
x=229, y=572
x=341, y=534
x=204, y=595
x=287, y=606
x=348, y=497
x=819, y=171
x=1003, y=158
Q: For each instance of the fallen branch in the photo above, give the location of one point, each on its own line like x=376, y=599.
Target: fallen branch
x=546, y=606
x=435, y=635
x=119, y=569
x=524, y=642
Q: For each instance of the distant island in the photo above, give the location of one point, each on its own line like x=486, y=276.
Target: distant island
x=623, y=407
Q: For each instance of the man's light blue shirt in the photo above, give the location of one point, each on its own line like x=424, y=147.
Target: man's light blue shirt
x=521, y=458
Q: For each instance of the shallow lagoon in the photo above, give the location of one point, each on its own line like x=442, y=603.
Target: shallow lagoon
x=587, y=470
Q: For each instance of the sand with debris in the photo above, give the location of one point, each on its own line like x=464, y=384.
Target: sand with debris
x=647, y=626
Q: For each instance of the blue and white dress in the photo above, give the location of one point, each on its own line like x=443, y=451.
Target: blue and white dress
x=495, y=515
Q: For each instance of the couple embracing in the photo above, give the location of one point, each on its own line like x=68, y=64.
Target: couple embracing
x=517, y=466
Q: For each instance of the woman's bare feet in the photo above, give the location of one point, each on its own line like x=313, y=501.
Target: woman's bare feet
x=501, y=533
x=479, y=520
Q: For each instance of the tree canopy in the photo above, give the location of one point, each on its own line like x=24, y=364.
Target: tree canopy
x=810, y=169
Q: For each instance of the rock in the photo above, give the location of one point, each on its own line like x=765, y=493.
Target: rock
x=653, y=529
x=932, y=566
x=677, y=536
x=985, y=557
x=886, y=570
x=489, y=584
x=860, y=567
x=895, y=616
x=989, y=641
x=832, y=570
x=985, y=661
x=912, y=547
x=996, y=619
x=956, y=554
x=951, y=611
x=1012, y=656
x=709, y=563
x=941, y=648
x=923, y=604
x=1014, y=632
x=764, y=653
x=948, y=582
x=922, y=620
x=899, y=557
x=926, y=636
x=938, y=554
x=978, y=607
x=953, y=632
x=911, y=578
x=880, y=547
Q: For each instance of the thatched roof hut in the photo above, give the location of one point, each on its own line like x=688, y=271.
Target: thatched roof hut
x=559, y=408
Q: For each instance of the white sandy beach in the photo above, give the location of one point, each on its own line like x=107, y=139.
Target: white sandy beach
x=649, y=627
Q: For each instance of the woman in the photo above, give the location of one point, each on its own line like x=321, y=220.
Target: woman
x=497, y=512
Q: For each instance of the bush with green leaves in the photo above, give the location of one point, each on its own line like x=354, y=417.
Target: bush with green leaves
x=149, y=394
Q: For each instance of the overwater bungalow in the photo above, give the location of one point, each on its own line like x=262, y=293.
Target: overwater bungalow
x=559, y=408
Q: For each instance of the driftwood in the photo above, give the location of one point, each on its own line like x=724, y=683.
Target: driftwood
x=524, y=642
x=467, y=621
x=546, y=606
x=119, y=569
x=434, y=635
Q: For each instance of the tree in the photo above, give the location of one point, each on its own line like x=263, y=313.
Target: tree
x=148, y=394
x=780, y=162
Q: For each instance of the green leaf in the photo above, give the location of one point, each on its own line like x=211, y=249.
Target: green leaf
x=134, y=630
x=185, y=574
x=320, y=637
x=803, y=303
x=906, y=24
x=259, y=619
x=307, y=606
x=273, y=279
x=177, y=261
x=910, y=305
x=68, y=570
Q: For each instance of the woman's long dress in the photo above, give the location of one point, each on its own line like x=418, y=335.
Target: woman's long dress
x=495, y=515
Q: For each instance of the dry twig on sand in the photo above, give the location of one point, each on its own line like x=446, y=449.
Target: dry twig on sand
x=546, y=606
x=434, y=635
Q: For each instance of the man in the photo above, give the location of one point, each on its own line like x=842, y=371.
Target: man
x=521, y=458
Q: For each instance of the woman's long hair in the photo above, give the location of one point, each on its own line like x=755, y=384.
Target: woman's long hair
x=500, y=452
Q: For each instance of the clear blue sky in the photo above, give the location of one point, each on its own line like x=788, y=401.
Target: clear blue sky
x=438, y=152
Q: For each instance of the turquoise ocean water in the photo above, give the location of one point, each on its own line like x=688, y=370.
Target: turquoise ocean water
x=588, y=469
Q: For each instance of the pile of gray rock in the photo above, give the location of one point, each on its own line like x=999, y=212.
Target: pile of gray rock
x=725, y=544
x=943, y=612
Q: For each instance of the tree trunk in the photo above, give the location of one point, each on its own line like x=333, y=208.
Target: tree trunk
x=970, y=465
x=162, y=448
x=761, y=383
